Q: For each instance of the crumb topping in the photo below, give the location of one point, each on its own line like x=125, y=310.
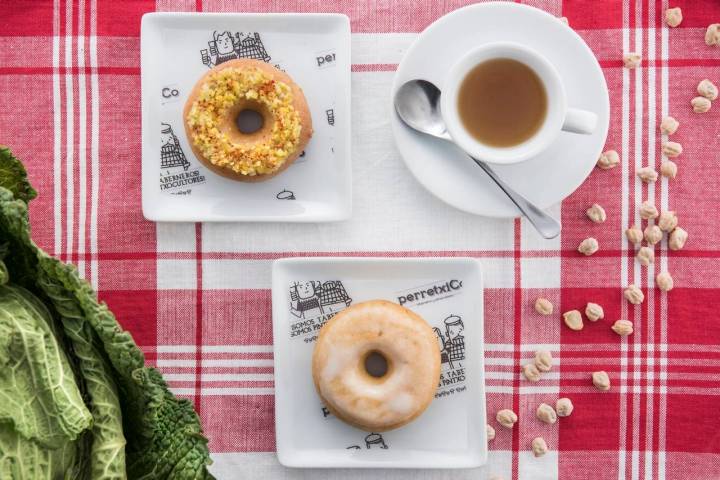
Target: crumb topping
x=221, y=92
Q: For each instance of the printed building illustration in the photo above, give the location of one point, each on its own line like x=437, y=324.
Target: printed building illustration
x=225, y=46
x=312, y=299
x=171, y=154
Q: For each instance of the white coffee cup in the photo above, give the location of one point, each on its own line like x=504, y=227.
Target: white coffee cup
x=558, y=117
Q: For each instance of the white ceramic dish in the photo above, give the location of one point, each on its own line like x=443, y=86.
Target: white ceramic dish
x=545, y=179
x=308, y=291
x=178, y=48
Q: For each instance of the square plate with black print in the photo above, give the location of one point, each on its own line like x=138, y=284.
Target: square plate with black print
x=448, y=294
x=177, y=49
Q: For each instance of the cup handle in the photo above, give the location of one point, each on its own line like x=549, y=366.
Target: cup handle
x=579, y=121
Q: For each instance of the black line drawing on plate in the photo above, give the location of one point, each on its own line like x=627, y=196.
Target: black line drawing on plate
x=224, y=46
x=313, y=298
x=375, y=440
x=302, y=154
x=171, y=154
x=353, y=447
x=285, y=195
x=330, y=113
x=452, y=344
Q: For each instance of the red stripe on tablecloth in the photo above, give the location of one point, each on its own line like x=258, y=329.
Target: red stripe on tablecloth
x=73, y=70
x=198, y=316
x=603, y=253
x=374, y=67
x=517, y=340
x=198, y=5
x=355, y=67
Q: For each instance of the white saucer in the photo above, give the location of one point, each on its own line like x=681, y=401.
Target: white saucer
x=444, y=169
x=448, y=293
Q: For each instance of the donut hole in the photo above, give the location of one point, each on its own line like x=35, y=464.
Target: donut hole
x=376, y=364
x=249, y=121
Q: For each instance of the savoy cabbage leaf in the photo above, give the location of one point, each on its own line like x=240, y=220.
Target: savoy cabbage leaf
x=139, y=430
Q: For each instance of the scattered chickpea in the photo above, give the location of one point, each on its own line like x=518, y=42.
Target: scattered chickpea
x=539, y=447
x=506, y=418
x=664, y=281
x=648, y=210
x=594, y=312
x=669, y=125
x=673, y=16
x=495, y=477
x=712, y=34
x=563, y=407
x=601, y=380
x=545, y=413
x=489, y=432
x=543, y=306
x=634, y=235
x=596, y=213
x=633, y=294
x=608, y=159
x=543, y=360
x=646, y=256
x=677, y=239
x=672, y=149
x=653, y=234
x=573, y=319
x=668, y=169
x=707, y=89
x=531, y=372
x=700, y=105
x=667, y=221
x=647, y=174
x=623, y=327
x=632, y=59
x=588, y=246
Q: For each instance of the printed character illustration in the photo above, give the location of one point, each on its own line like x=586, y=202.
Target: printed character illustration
x=171, y=154
x=452, y=344
x=375, y=440
x=312, y=299
x=224, y=46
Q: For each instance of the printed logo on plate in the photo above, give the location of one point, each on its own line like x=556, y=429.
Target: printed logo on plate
x=177, y=174
x=312, y=303
x=325, y=59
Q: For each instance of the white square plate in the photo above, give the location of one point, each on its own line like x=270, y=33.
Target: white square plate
x=178, y=48
x=448, y=293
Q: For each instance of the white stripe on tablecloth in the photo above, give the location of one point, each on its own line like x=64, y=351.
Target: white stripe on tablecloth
x=215, y=348
x=224, y=362
x=70, y=131
x=664, y=201
x=651, y=306
x=220, y=377
x=82, y=139
x=94, y=145
x=57, y=131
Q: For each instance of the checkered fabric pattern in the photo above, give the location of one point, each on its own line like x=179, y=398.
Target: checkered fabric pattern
x=197, y=297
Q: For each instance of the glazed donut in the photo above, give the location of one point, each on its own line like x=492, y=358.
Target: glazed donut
x=371, y=400
x=217, y=99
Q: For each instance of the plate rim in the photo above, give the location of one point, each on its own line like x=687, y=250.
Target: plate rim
x=342, y=210
x=286, y=454
x=396, y=123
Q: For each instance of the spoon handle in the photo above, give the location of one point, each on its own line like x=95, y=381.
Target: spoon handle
x=546, y=226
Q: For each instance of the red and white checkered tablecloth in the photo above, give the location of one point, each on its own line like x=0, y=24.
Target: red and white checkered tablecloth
x=197, y=297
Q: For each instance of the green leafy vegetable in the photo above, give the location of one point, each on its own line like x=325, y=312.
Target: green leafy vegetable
x=76, y=399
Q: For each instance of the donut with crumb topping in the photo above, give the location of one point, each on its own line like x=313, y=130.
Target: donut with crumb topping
x=217, y=99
